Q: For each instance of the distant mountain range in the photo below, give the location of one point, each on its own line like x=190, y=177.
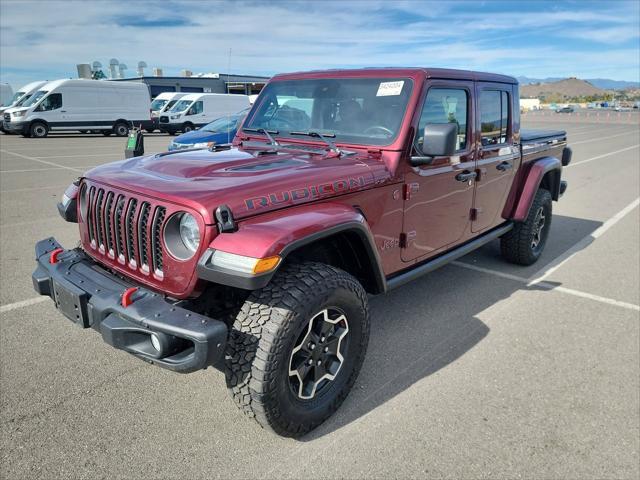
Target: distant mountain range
x=560, y=89
x=603, y=83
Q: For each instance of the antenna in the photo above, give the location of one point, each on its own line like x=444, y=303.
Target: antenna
x=228, y=74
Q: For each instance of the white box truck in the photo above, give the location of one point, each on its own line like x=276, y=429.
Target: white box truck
x=162, y=103
x=82, y=105
x=21, y=96
x=197, y=109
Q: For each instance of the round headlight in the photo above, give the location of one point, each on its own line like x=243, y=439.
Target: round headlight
x=189, y=232
x=182, y=235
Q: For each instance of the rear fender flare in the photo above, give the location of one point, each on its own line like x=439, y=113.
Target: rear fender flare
x=537, y=171
x=284, y=232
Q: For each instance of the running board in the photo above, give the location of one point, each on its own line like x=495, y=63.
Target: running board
x=450, y=256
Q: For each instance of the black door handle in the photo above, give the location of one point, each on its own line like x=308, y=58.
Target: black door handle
x=465, y=176
x=504, y=166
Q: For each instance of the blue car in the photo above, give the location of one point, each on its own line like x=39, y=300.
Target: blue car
x=220, y=131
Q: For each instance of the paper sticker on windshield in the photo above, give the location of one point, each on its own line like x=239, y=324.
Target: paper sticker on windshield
x=387, y=89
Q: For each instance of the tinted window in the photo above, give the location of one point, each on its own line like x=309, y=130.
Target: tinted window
x=356, y=110
x=52, y=102
x=445, y=105
x=494, y=117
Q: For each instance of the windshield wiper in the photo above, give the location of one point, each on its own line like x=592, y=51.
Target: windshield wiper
x=333, y=148
x=266, y=133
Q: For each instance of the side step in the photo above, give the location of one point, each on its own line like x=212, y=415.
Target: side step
x=435, y=263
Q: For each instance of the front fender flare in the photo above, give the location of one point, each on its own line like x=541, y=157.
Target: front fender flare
x=282, y=232
x=535, y=174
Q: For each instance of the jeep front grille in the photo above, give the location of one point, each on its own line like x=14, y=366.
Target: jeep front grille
x=125, y=229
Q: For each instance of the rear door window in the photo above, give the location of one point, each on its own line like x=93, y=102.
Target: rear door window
x=494, y=117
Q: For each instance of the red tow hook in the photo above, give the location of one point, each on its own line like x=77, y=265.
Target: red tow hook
x=53, y=257
x=127, y=296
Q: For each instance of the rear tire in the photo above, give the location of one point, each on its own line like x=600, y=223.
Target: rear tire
x=271, y=341
x=524, y=244
x=121, y=129
x=38, y=130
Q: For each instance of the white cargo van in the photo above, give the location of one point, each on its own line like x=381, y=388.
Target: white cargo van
x=62, y=105
x=6, y=94
x=162, y=103
x=21, y=96
x=197, y=109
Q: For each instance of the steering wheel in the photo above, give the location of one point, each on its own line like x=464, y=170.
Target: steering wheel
x=380, y=128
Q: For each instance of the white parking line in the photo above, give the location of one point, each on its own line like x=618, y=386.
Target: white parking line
x=45, y=162
x=24, y=303
x=573, y=164
x=30, y=189
x=598, y=139
x=557, y=262
x=549, y=286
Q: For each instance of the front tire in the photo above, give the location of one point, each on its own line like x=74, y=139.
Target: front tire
x=38, y=130
x=297, y=346
x=187, y=127
x=524, y=244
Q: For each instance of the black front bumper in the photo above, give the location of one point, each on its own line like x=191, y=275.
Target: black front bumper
x=90, y=296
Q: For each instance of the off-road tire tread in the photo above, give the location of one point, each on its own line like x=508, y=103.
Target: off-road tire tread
x=255, y=346
x=515, y=245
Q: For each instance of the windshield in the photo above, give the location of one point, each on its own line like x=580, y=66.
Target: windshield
x=157, y=104
x=23, y=100
x=222, y=124
x=169, y=105
x=16, y=97
x=181, y=106
x=34, y=99
x=365, y=111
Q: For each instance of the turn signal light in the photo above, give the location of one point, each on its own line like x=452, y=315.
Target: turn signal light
x=266, y=264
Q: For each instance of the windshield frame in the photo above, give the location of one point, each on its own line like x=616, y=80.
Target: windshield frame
x=338, y=138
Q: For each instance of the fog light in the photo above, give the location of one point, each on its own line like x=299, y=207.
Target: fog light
x=155, y=341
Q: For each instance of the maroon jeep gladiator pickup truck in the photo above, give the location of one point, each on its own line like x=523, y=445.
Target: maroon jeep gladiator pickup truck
x=258, y=257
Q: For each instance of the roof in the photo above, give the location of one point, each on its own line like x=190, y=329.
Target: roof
x=222, y=76
x=426, y=72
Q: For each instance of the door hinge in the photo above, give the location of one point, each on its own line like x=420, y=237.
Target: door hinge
x=473, y=214
x=409, y=189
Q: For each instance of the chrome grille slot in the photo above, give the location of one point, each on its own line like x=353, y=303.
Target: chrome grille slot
x=91, y=229
x=108, y=224
x=119, y=236
x=129, y=229
x=98, y=216
x=156, y=241
x=143, y=236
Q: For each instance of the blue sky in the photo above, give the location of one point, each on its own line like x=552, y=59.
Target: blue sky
x=46, y=39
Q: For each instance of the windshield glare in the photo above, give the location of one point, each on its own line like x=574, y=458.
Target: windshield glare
x=23, y=100
x=34, y=99
x=16, y=97
x=157, y=105
x=181, y=106
x=356, y=110
x=222, y=124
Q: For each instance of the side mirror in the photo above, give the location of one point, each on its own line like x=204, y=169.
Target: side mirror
x=190, y=111
x=439, y=140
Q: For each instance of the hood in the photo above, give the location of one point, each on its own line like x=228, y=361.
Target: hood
x=246, y=180
x=197, y=136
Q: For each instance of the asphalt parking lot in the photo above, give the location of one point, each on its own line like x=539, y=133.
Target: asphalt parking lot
x=480, y=369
